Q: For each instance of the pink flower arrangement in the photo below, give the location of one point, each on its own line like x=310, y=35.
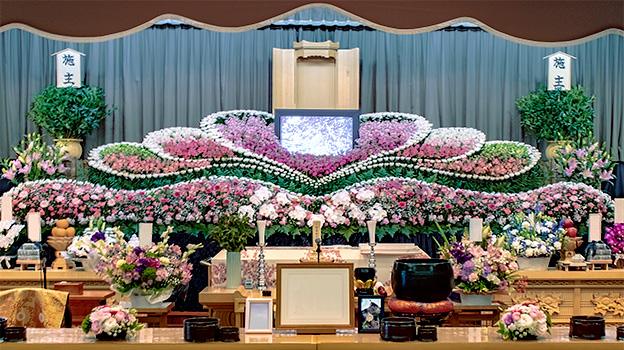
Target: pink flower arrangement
x=586, y=162
x=524, y=321
x=157, y=269
x=113, y=321
x=615, y=238
x=35, y=160
x=480, y=269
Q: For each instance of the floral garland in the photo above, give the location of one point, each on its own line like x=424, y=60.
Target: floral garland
x=9, y=231
x=388, y=200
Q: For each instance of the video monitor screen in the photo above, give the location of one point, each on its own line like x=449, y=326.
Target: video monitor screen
x=317, y=132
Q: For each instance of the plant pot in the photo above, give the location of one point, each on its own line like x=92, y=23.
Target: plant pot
x=553, y=147
x=423, y=280
x=533, y=264
x=70, y=146
x=233, y=270
x=398, y=329
x=201, y=329
x=587, y=327
x=108, y=337
x=139, y=300
x=476, y=299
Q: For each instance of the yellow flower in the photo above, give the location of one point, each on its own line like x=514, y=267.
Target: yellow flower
x=120, y=262
x=164, y=260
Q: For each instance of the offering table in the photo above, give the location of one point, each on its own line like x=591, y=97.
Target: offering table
x=450, y=338
x=573, y=293
x=15, y=278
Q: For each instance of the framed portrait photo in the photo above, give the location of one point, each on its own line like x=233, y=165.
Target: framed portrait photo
x=371, y=312
x=315, y=297
x=259, y=315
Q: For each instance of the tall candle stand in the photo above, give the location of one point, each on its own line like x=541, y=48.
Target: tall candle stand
x=372, y=263
x=261, y=268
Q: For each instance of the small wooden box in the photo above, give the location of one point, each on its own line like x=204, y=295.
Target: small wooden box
x=71, y=287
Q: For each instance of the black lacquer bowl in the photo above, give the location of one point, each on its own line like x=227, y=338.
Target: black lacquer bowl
x=423, y=280
x=3, y=324
x=364, y=273
x=201, y=329
x=15, y=334
x=230, y=334
x=587, y=327
x=398, y=329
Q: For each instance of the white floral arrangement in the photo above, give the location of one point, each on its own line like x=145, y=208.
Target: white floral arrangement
x=83, y=245
x=534, y=234
x=9, y=231
x=524, y=321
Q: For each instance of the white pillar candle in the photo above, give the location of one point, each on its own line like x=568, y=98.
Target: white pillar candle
x=34, y=226
x=372, y=224
x=619, y=210
x=145, y=234
x=595, y=227
x=476, y=229
x=7, y=208
x=261, y=228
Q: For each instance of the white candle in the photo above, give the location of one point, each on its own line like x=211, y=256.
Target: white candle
x=34, y=226
x=316, y=233
x=145, y=234
x=595, y=227
x=476, y=229
x=261, y=227
x=7, y=208
x=619, y=210
x=372, y=224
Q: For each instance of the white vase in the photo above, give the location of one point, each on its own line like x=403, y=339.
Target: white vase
x=139, y=300
x=476, y=299
x=233, y=270
x=533, y=264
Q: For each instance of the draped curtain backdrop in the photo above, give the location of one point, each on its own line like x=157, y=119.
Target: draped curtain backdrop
x=168, y=76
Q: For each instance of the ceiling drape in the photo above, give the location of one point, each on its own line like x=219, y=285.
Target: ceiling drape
x=525, y=21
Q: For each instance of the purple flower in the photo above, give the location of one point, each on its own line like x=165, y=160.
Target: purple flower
x=138, y=251
x=99, y=235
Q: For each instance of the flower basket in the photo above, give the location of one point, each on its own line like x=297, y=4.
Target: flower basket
x=524, y=322
x=533, y=263
x=111, y=322
x=142, y=300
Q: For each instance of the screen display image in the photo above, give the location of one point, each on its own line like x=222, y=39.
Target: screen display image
x=317, y=135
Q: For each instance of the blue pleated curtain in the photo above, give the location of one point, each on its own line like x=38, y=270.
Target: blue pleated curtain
x=174, y=75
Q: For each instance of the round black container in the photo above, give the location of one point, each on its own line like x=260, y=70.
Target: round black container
x=587, y=327
x=229, y=334
x=423, y=280
x=3, y=324
x=364, y=273
x=398, y=329
x=201, y=329
x=427, y=333
x=620, y=333
x=15, y=334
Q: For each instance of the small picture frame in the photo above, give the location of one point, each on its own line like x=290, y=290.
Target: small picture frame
x=259, y=315
x=371, y=312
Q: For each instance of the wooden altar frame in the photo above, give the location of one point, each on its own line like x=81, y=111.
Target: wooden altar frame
x=315, y=278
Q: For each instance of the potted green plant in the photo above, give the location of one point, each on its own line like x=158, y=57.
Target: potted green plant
x=68, y=114
x=557, y=115
x=232, y=233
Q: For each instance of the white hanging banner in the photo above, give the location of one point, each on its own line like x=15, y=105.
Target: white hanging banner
x=595, y=227
x=476, y=229
x=559, y=77
x=619, y=210
x=7, y=208
x=145, y=234
x=68, y=68
x=34, y=227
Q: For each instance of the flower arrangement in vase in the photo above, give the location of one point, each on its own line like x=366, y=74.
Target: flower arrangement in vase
x=480, y=267
x=9, y=233
x=584, y=161
x=111, y=322
x=524, y=321
x=153, y=271
x=614, y=236
x=35, y=160
x=83, y=246
x=533, y=235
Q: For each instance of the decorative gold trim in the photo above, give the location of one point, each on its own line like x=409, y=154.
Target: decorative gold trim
x=270, y=21
x=549, y=302
x=612, y=302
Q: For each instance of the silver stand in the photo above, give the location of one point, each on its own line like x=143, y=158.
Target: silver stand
x=372, y=263
x=261, y=268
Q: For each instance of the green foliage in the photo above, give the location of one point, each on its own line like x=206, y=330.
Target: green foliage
x=232, y=232
x=69, y=112
x=557, y=115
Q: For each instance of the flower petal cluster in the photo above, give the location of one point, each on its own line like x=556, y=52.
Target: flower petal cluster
x=480, y=268
x=35, y=160
x=586, y=162
x=155, y=269
x=615, y=238
x=112, y=320
x=534, y=234
x=9, y=231
x=524, y=320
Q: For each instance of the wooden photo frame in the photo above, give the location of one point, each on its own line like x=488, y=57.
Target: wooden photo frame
x=315, y=297
x=370, y=313
x=259, y=315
